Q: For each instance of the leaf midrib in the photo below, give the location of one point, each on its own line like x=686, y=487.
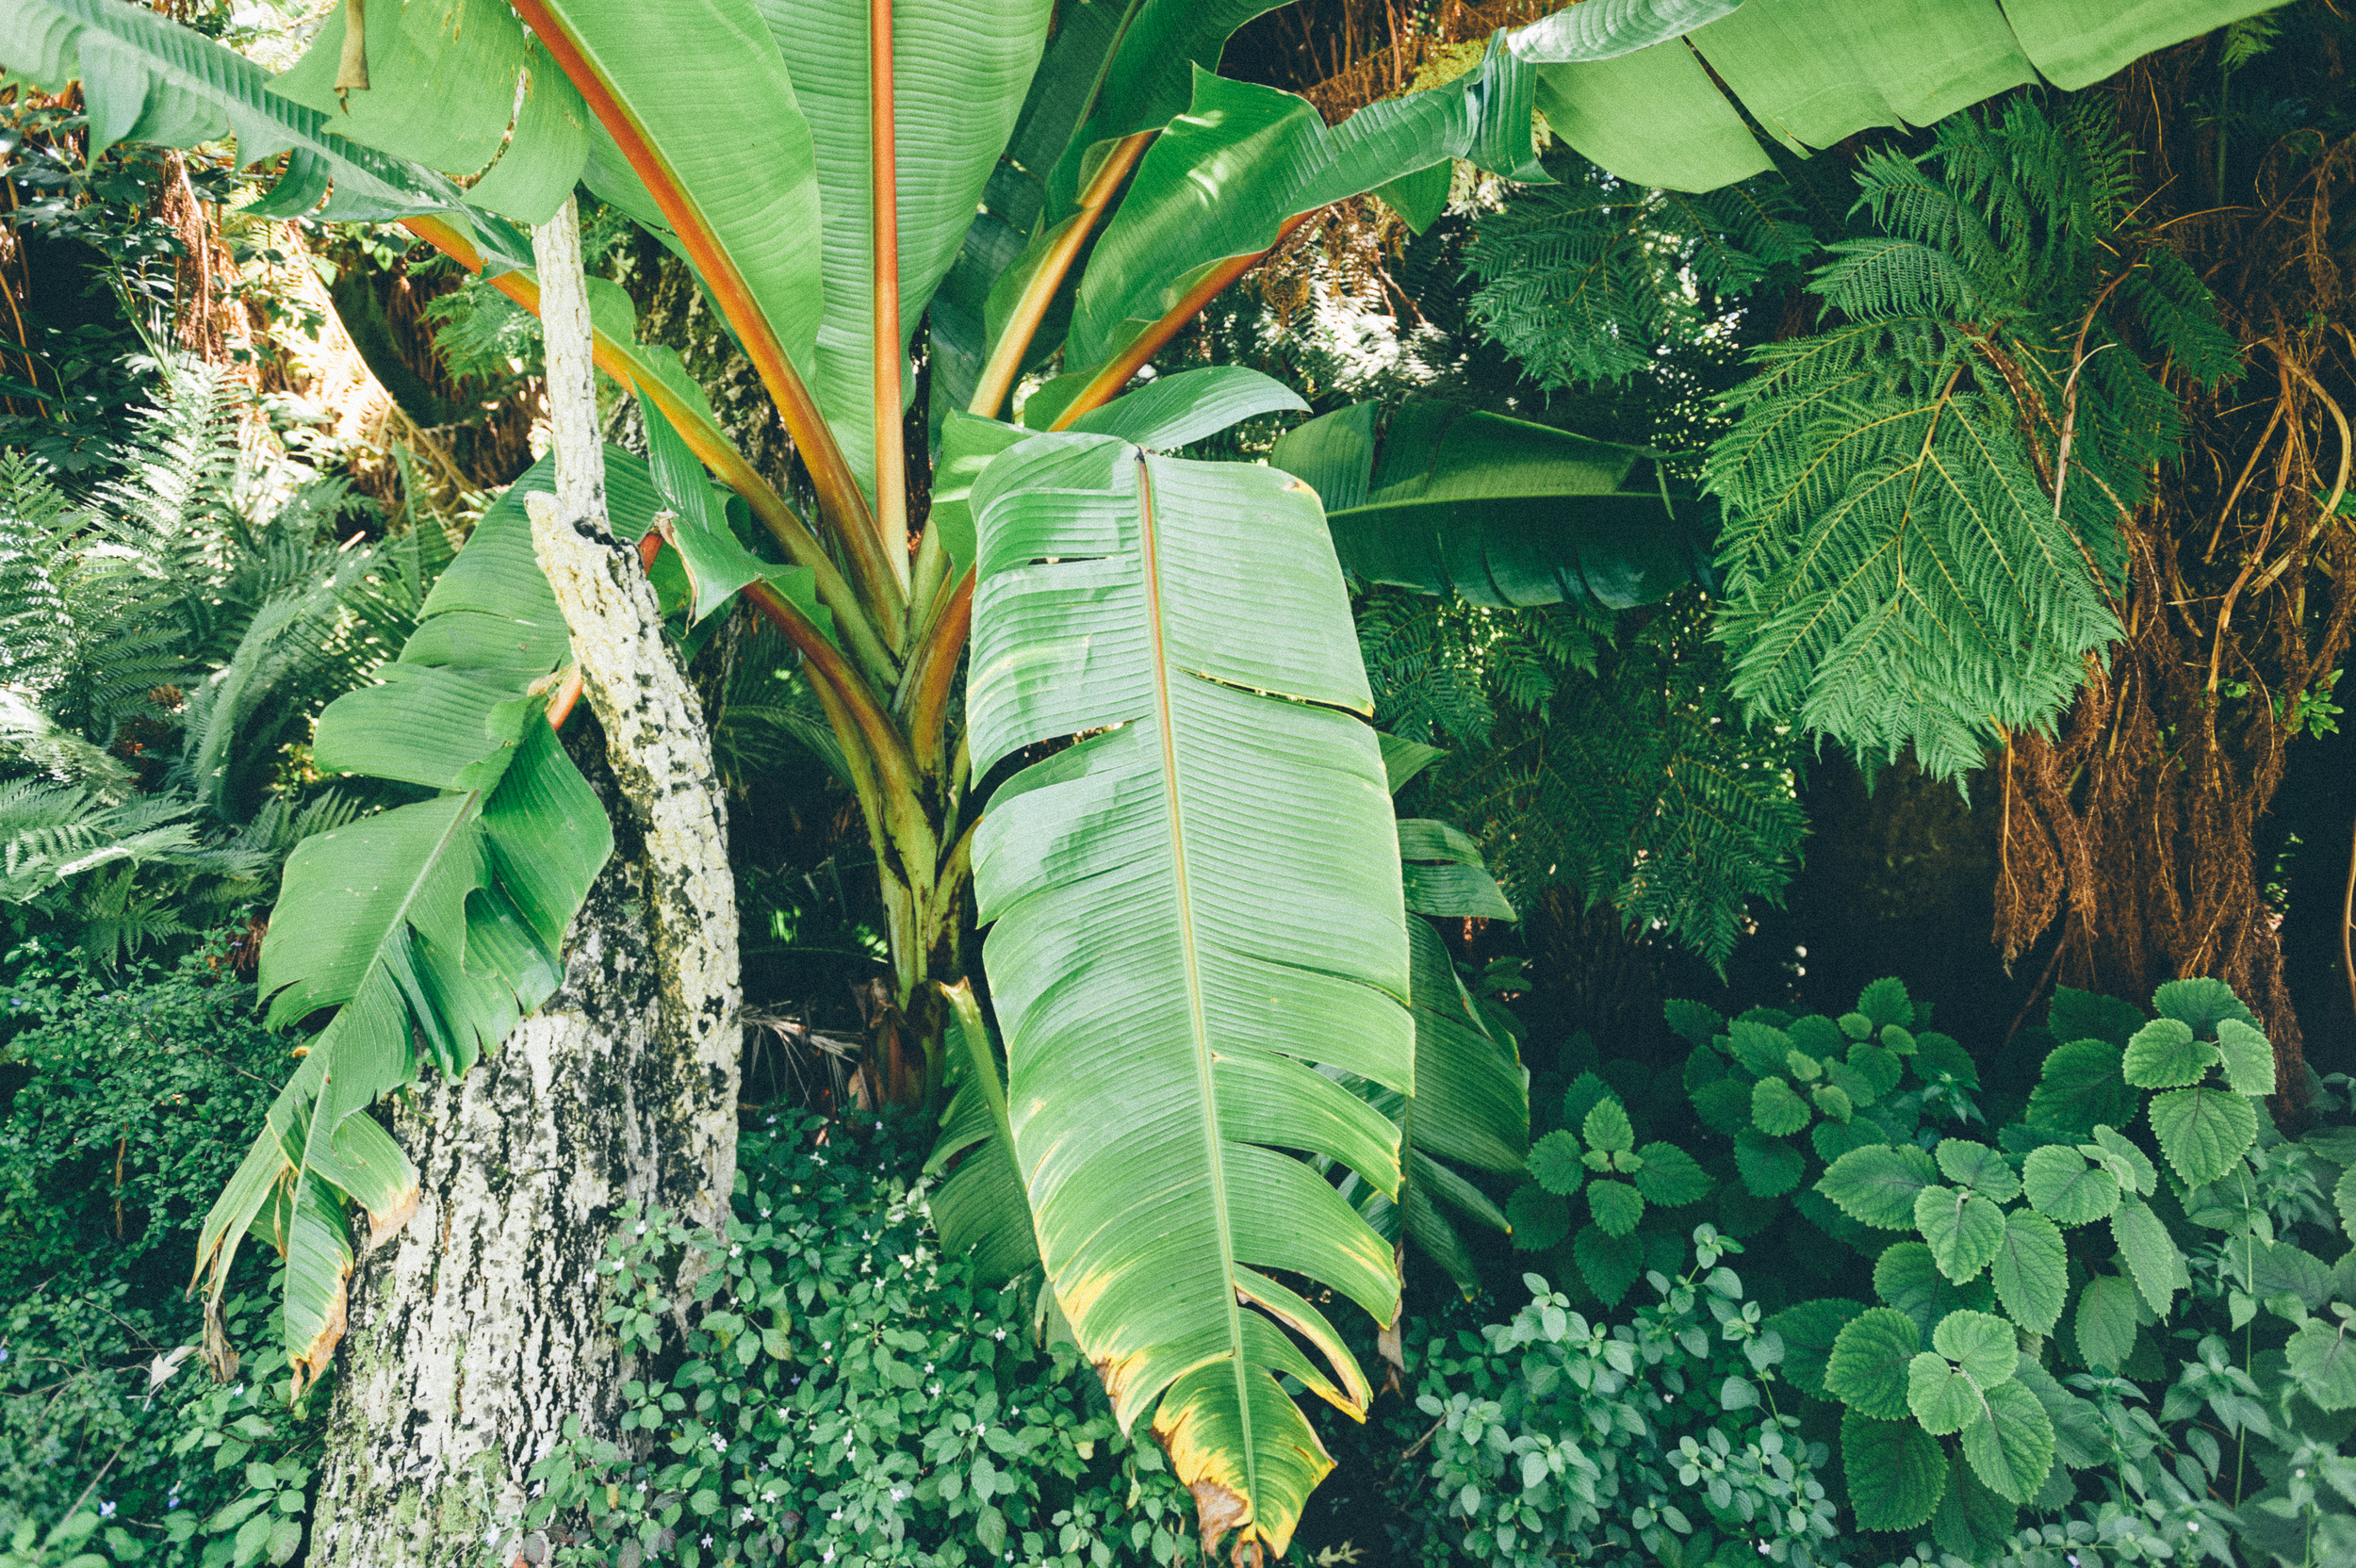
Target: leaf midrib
x=1149, y=561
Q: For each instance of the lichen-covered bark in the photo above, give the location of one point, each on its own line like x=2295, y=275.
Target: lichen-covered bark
x=478, y=1330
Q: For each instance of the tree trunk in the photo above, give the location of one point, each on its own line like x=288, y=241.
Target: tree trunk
x=481, y=1329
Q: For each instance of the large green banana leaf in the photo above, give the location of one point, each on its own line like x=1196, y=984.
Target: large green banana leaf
x=148, y=79
x=442, y=921
x=1189, y=909
x=1811, y=71
x=1471, y=1104
x=731, y=155
x=1435, y=497
x=960, y=68
x=1221, y=181
x=1111, y=63
x=448, y=80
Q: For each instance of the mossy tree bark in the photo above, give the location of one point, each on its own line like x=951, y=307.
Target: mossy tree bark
x=480, y=1328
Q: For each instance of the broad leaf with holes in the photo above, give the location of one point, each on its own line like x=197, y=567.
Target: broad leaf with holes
x=1227, y=840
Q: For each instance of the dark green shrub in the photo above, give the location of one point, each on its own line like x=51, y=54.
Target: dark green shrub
x=2122, y=1317
x=119, y=1099
x=844, y=1395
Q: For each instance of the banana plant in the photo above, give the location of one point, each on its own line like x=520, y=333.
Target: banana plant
x=1192, y=909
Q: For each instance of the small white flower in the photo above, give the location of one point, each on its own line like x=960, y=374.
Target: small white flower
x=836, y=1514
x=768, y=1496
x=828, y=1555
x=1000, y=1335
x=736, y=1252
x=744, y=1515
x=719, y=1443
x=2194, y=1526
x=764, y=1213
x=106, y=1510
x=707, y=1540
x=928, y=1366
x=827, y=1346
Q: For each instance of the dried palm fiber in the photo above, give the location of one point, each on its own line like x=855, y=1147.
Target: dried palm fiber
x=2130, y=830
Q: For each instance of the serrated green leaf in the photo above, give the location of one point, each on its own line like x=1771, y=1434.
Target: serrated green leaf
x=1554, y=1163
x=1980, y=1344
x=1540, y=1218
x=2203, y=1131
x=1855, y=1025
x=2010, y=1447
x=1610, y=1264
x=1879, y=1184
x=2248, y=1057
x=2080, y=1088
x=2081, y=1440
x=1978, y=1167
x=2323, y=1360
x=2065, y=1187
x=1972, y=1524
x=2152, y=1255
x=1606, y=1128
x=1616, y=1206
x=1868, y=1366
x=1759, y=1047
x=1939, y=1396
x=1776, y=1110
x=1693, y=1022
x=1896, y=1471
x=1803, y=1068
x=1810, y=1330
x=1962, y=1230
x=2164, y=1055
x=1882, y=1069
x=1585, y=1093
x=1938, y=1056
x=2106, y=1324
x=2200, y=1005
x=1852, y=1082
x=1769, y=1167
x=1833, y=1139
x=1671, y=1178
x=1907, y=1277
x=2134, y=1166
x=1723, y=1105
x=2031, y=1271
x=1833, y=1100
x=1886, y=1003
x=2086, y=1015
x=2343, y=1200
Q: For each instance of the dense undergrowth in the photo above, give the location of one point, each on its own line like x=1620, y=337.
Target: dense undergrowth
x=1853, y=1323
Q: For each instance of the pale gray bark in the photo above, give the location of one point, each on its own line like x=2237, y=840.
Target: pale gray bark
x=480, y=1328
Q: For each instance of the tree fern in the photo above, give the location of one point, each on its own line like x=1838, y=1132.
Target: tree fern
x=1909, y=558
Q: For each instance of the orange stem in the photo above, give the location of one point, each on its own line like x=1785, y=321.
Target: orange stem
x=1006, y=360
x=891, y=479
x=840, y=500
x=826, y=664
x=933, y=670
x=567, y=693
x=1106, y=384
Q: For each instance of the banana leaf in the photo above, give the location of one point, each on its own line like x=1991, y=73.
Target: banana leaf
x=1813, y=72
x=1186, y=910
x=148, y=79
x=441, y=923
x=1437, y=498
